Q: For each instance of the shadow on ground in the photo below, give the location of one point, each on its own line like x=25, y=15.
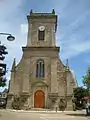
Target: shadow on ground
x=81, y=115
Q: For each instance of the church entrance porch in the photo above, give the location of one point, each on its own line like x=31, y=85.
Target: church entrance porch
x=39, y=99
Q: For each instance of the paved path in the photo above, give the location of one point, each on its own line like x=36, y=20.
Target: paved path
x=42, y=115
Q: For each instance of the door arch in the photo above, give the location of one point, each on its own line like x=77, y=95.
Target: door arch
x=39, y=99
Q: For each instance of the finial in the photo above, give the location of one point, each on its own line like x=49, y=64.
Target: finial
x=67, y=64
x=31, y=11
x=53, y=11
x=14, y=64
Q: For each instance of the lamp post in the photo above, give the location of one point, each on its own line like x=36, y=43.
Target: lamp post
x=9, y=36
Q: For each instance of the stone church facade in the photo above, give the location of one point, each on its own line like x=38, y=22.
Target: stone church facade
x=40, y=76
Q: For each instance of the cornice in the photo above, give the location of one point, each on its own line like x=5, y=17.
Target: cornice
x=41, y=48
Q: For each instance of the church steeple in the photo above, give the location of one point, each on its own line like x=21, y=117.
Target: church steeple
x=13, y=65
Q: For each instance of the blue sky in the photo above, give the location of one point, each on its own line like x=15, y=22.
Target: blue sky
x=73, y=33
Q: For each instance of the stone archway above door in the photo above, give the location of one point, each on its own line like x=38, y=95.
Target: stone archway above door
x=41, y=83
x=39, y=99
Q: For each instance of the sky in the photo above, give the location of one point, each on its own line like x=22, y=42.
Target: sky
x=73, y=31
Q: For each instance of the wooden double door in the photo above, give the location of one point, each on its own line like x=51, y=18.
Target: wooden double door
x=39, y=99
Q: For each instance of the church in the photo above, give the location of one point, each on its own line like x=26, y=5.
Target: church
x=40, y=79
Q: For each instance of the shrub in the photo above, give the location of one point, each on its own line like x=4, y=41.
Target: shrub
x=18, y=102
x=62, y=105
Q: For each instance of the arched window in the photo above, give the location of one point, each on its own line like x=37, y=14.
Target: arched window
x=41, y=35
x=40, y=68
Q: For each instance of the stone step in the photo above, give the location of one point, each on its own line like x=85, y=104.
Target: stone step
x=40, y=109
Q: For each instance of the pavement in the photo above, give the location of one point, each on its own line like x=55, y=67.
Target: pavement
x=42, y=115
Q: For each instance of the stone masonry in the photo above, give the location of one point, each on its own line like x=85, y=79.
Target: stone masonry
x=58, y=81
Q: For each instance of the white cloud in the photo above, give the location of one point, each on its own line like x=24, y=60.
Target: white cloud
x=24, y=28
x=81, y=46
x=71, y=49
x=72, y=40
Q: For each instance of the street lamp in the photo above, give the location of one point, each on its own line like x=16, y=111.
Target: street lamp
x=9, y=36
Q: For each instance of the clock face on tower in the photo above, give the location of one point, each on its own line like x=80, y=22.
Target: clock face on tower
x=41, y=28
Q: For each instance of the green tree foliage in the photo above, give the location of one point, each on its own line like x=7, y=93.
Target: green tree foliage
x=86, y=79
x=3, y=52
x=79, y=94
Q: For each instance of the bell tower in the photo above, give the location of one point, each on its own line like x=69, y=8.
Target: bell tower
x=41, y=29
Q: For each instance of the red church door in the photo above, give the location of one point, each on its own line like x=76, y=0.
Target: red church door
x=39, y=99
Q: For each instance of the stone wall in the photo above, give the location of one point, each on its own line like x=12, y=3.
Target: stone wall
x=49, y=24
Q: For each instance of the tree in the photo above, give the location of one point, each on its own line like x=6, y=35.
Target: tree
x=2, y=65
x=86, y=79
x=79, y=94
